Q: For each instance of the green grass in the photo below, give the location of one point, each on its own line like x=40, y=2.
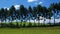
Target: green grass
x=35, y=30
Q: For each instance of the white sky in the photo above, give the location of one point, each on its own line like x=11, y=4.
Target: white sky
x=32, y=0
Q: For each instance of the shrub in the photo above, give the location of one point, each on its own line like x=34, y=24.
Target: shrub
x=30, y=24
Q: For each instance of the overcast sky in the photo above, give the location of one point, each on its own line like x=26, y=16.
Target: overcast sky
x=26, y=3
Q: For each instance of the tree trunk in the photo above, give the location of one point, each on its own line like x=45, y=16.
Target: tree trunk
x=17, y=23
x=44, y=21
x=54, y=19
x=49, y=22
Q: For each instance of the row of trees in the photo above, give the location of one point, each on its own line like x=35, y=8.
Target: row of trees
x=23, y=14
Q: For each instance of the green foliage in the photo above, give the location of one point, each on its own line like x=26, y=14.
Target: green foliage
x=35, y=24
x=30, y=24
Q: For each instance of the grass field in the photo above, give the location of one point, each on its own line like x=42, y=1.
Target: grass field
x=35, y=30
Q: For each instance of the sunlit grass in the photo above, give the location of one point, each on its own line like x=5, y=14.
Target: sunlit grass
x=36, y=30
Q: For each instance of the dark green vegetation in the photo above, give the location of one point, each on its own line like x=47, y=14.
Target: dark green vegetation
x=31, y=13
x=26, y=25
x=35, y=30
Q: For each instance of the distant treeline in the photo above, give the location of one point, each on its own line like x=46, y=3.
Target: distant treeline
x=23, y=14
